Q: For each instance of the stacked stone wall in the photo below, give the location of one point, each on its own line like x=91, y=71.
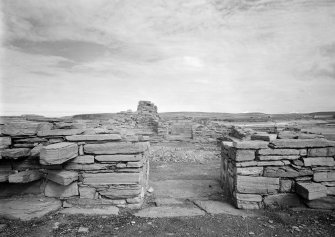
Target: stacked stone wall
x=73, y=161
x=279, y=173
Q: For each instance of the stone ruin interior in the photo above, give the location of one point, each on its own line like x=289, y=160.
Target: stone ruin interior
x=80, y=161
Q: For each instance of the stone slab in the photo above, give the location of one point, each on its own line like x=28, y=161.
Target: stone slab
x=111, y=178
x=5, y=142
x=304, y=143
x=4, y=175
x=86, y=167
x=286, y=172
x=103, y=211
x=97, y=137
x=85, y=159
x=319, y=161
x=248, y=197
x=168, y=201
x=87, y=192
x=283, y=157
x=62, y=177
x=217, y=207
x=53, y=189
x=311, y=191
x=121, y=192
x=58, y=153
x=322, y=203
x=15, y=153
x=117, y=158
x=28, y=208
x=263, y=137
x=256, y=185
x=284, y=200
x=59, y=132
x=168, y=211
x=25, y=176
x=112, y=148
x=252, y=171
x=324, y=176
x=22, y=128
x=250, y=144
x=243, y=155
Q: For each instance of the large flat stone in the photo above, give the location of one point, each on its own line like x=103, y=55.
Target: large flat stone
x=243, y=155
x=280, y=152
x=103, y=211
x=279, y=157
x=22, y=128
x=111, y=178
x=59, y=132
x=303, y=143
x=256, y=185
x=248, y=197
x=5, y=142
x=27, y=208
x=329, y=151
x=250, y=144
x=286, y=172
x=98, y=137
x=15, y=153
x=311, y=191
x=62, y=177
x=168, y=201
x=87, y=167
x=53, y=189
x=25, y=176
x=252, y=171
x=319, y=161
x=322, y=203
x=217, y=207
x=169, y=211
x=117, y=158
x=121, y=192
x=112, y=148
x=58, y=153
x=85, y=159
x=324, y=176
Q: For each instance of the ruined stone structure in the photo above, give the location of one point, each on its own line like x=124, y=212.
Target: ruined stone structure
x=77, y=162
x=268, y=172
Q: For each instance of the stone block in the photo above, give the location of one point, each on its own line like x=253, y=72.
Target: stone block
x=116, y=148
x=22, y=128
x=278, y=152
x=248, y=205
x=286, y=172
x=256, y=185
x=58, y=153
x=311, y=191
x=15, y=153
x=284, y=200
x=246, y=164
x=250, y=144
x=53, y=189
x=4, y=175
x=137, y=164
x=286, y=185
x=25, y=176
x=248, y=197
x=87, y=167
x=35, y=152
x=243, y=155
x=5, y=142
x=121, y=192
x=59, y=132
x=296, y=143
x=31, y=140
x=319, y=161
x=118, y=158
x=271, y=163
x=288, y=135
x=324, y=176
x=292, y=157
x=331, y=191
x=252, y=171
x=318, y=152
x=87, y=192
x=111, y=178
x=327, y=203
x=97, y=137
x=62, y=177
x=85, y=159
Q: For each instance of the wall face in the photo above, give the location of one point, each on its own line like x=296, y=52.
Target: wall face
x=73, y=161
x=280, y=173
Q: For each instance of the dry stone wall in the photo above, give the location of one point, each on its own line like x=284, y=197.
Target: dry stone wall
x=279, y=173
x=73, y=161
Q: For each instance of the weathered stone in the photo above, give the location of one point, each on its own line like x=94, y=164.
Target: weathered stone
x=253, y=171
x=318, y=152
x=278, y=152
x=134, y=200
x=85, y=159
x=264, y=137
x=121, y=165
x=167, y=202
x=81, y=150
x=331, y=191
x=121, y=192
x=55, y=140
x=25, y=176
x=87, y=192
x=322, y=203
x=243, y=155
x=311, y=191
x=296, y=143
x=4, y=175
x=137, y=164
x=58, y=153
x=309, y=136
x=256, y=185
x=22, y=128
x=99, y=137
x=167, y=211
x=103, y=211
x=118, y=158
x=246, y=164
x=111, y=178
x=60, y=191
x=270, y=163
x=328, y=184
x=5, y=142
x=250, y=144
x=35, y=152
x=62, y=177
x=278, y=157
x=31, y=140
x=15, y=153
x=217, y=207
x=59, y=132
x=286, y=171
x=324, y=176
x=283, y=200
x=116, y=148
x=248, y=197
x=87, y=167
x=319, y=161
x=286, y=185
x=27, y=208
x=248, y=205
x=21, y=145
x=287, y=135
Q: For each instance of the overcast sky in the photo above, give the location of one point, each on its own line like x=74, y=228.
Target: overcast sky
x=82, y=56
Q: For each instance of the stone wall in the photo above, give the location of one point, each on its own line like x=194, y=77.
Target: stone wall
x=279, y=172
x=74, y=161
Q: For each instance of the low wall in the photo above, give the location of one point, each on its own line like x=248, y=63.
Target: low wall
x=75, y=165
x=279, y=173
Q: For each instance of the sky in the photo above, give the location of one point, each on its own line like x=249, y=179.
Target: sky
x=69, y=57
